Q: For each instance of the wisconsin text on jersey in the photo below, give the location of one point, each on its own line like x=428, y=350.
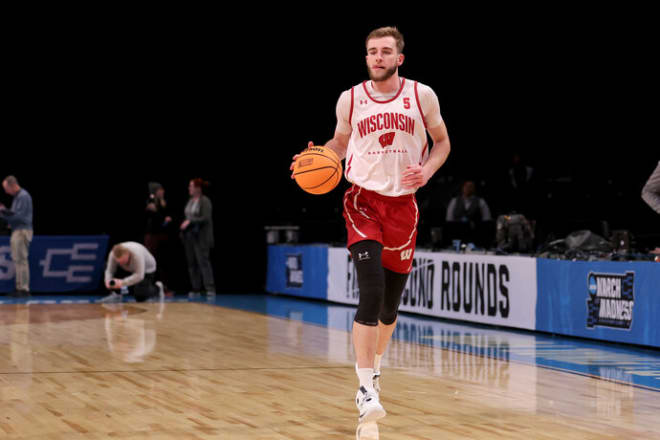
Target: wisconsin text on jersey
x=386, y=121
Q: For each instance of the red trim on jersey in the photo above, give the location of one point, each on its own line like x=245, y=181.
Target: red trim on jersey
x=348, y=165
x=423, y=151
x=350, y=115
x=364, y=84
x=419, y=106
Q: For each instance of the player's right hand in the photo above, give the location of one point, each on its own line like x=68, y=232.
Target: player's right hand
x=295, y=157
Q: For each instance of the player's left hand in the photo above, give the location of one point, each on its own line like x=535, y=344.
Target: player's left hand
x=414, y=177
x=310, y=144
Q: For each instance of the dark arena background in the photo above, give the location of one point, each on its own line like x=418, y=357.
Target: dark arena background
x=95, y=110
x=493, y=339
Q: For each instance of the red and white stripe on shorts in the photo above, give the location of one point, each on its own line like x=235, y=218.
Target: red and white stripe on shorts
x=391, y=221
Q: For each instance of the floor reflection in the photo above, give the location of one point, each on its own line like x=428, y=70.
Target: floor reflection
x=20, y=349
x=130, y=338
x=612, y=362
x=128, y=330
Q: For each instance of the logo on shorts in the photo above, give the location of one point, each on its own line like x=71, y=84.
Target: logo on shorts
x=363, y=256
x=610, y=300
x=386, y=139
x=406, y=254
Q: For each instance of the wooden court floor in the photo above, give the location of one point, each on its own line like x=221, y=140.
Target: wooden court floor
x=197, y=371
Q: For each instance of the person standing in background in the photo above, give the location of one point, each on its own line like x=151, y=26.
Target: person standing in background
x=156, y=218
x=198, y=240
x=651, y=190
x=651, y=195
x=19, y=219
x=520, y=195
x=156, y=235
x=468, y=207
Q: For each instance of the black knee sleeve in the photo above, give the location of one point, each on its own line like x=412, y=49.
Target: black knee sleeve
x=371, y=280
x=394, y=285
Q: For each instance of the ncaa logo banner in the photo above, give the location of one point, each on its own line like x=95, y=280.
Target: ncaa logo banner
x=297, y=270
x=57, y=264
x=611, y=300
x=479, y=288
x=607, y=300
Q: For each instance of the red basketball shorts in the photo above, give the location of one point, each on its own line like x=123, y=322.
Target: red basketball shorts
x=391, y=221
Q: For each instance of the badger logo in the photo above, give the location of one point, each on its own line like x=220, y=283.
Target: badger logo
x=386, y=139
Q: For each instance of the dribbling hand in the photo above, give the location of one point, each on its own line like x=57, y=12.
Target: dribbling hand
x=293, y=163
x=414, y=177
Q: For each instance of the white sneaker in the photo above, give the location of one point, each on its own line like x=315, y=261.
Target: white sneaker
x=376, y=378
x=161, y=291
x=377, y=381
x=114, y=297
x=368, y=405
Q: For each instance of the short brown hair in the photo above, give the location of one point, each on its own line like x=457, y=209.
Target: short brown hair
x=11, y=180
x=388, y=31
x=119, y=251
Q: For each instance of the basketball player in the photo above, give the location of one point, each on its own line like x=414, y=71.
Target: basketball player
x=381, y=132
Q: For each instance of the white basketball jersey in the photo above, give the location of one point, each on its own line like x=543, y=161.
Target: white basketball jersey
x=387, y=136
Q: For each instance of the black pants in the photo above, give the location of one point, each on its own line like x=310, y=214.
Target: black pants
x=198, y=256
x=143, y=290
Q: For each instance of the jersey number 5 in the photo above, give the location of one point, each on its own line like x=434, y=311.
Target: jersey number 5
x=406, y=103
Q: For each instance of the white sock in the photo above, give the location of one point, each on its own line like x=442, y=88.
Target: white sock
x=377, y=361
x=366, y=376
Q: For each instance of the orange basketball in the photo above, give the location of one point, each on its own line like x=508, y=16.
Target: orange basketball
x=317, y=170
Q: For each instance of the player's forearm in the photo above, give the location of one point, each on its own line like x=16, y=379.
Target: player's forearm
x=437, y=157
x=338, y=147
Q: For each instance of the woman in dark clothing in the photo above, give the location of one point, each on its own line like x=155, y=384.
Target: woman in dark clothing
x=157, y=229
